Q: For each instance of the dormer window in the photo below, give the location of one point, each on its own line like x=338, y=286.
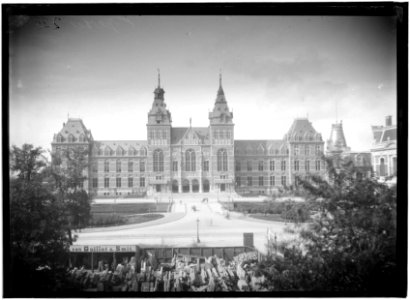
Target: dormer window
x=71, y=138
x=120, y=151
x=107, y=151
x=60, y=138
x=81, y=138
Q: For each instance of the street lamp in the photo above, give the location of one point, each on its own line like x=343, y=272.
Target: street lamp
x=197, y=231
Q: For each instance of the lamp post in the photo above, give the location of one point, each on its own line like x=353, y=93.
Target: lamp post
x=197, y=231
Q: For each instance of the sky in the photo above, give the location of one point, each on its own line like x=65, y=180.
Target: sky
x=103, y=69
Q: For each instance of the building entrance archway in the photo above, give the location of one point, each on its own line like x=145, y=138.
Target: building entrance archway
x=205, y=186
x=195, y=186
x=222, y=187
x=185, y=186
x=174, y=186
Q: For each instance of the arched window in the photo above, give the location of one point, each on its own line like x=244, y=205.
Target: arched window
x=190, y=160
x=71, y=138
x=143, y=151
x=81, y=138
x=222, y=160
x=60, y=138
x=158, y=161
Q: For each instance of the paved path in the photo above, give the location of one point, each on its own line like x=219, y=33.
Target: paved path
x=214, y=229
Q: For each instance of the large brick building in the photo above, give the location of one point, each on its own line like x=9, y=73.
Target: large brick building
x=194, y=159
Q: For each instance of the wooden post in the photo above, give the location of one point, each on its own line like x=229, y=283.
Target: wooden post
x=137, y=259
x=92, y=262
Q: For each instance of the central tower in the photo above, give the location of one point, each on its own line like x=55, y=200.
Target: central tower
x=159, y=142
x=222, y=143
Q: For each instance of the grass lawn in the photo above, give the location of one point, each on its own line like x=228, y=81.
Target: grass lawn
x=268, y=217
x=129, y=208
x=109, y=219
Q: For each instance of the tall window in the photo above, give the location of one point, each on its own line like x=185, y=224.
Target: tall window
x=238, y=181
x=59, y=138
x=318, y=165
x=260, y=180
x=206, y=166
x=106, y=182
x=260, y=165
x=130, y=182
x=106, y=166
x=95, y=182
x=71, y=138
x=283, y=180
x=249, y=165
x=222, y=160
x=272, y=165
x=272, y=180
x=283, y=165
x=142, y=182
x=142, y=166
x=95, y=167
x=317, y=149
x=307, y=150
x=190, y=160
x=175, y=166
x=237, y=165
x=118, y=166
x=158, y=161
x=296, y=165
x=130, y=166
x=118, y=182
x=307, y=166
x=296, y=150
x=249, y=180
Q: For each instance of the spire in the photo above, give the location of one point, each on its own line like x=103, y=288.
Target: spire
x=159, y=78
x=220, y=90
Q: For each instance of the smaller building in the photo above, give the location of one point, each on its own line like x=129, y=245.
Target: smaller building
x=384, y=149
x=338, y=151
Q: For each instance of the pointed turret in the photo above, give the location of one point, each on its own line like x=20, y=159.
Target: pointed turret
x=220, y=113
x=158, y=113
x=337, y=143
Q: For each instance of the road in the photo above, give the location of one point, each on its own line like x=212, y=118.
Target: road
x=214, y=230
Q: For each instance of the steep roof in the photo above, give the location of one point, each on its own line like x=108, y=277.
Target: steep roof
x=178, y=133
x=259, y=146
x=301, y=125
x=389, y=134
x=125, y=144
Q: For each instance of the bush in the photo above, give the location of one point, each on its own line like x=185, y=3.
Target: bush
x=100, y=220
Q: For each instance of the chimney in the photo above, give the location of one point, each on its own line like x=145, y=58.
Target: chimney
x=388, y=121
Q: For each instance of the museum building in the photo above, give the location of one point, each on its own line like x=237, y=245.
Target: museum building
x=193, y=159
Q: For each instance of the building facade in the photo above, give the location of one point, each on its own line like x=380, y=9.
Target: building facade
x=194, y=159
x=384, y=149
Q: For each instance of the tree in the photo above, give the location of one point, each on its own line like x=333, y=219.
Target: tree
x=351, y=243
x=38, y=239
x=66, y=175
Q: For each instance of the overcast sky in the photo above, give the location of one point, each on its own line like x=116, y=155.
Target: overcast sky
x=103, y=69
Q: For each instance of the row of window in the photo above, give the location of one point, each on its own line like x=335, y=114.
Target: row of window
x=118, y=182
x=272, y=165
x=298, y=150
x=261, y=179
x=222, y=134
x=121, y=152
x=71, y=138
x=118, y=166
x=157, y=134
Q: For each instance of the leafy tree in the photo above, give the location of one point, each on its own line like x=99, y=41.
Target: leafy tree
x=38, y=239
x=351, y=244
x=67, y=175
